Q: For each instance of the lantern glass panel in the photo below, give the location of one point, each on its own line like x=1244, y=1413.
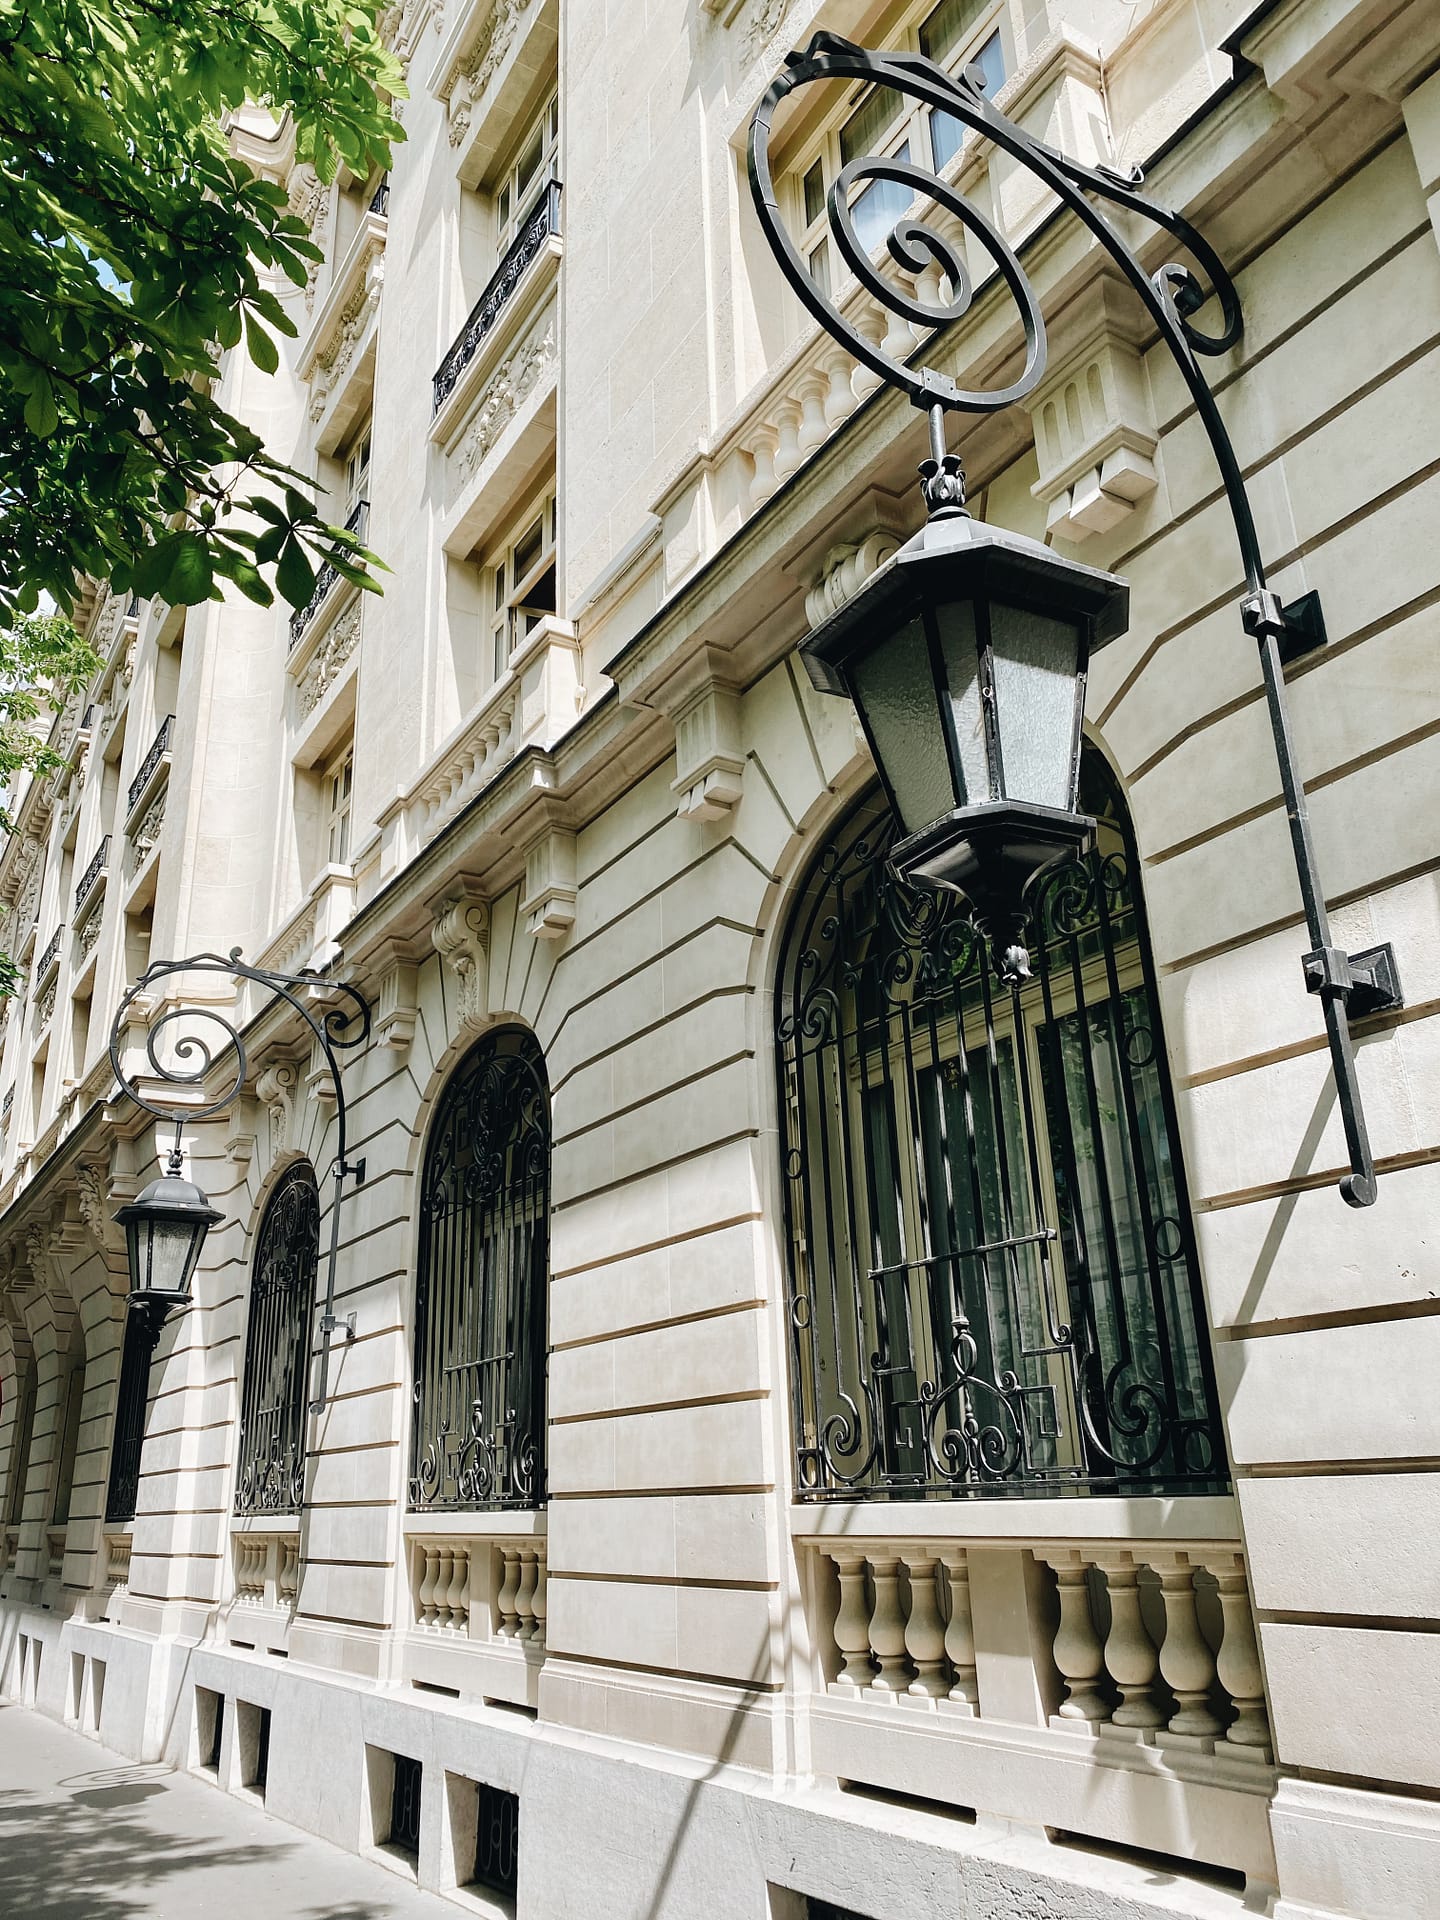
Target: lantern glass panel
x=172, y=1250
x=955, y=620
x=1037, y=661
x=895, y=691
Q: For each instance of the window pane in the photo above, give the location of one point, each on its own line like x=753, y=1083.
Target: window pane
x=948, y=27
x=819, y=265
x=528, y=549
x=991, y=61
x=866, y=128
x=882, y=203
x=814, y=193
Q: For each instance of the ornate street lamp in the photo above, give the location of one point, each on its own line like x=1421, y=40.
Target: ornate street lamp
x=966, y=653
x=165, y=1228
x=165, y=1225
x=965, y=656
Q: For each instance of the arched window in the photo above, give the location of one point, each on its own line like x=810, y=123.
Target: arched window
x=993, y=1282
x=271, y=1477
x=478, y=1438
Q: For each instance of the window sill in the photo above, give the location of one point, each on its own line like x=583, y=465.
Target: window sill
x=1018, y=1520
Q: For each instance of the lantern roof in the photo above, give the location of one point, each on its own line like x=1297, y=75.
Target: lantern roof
x=956, y=558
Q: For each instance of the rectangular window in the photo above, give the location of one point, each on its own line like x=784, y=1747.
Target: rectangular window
x=522, y=584
x=524, y=180
x=339, y=780
x=357, y=471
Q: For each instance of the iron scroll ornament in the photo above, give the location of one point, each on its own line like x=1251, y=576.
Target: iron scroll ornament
x=1348, y=985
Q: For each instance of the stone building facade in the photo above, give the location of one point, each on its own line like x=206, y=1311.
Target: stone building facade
x=696, y=1522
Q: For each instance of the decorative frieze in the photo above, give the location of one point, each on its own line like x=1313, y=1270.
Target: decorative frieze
x=325, y=664
x=480, y=61
x=340, y=336
x=146, y=832
x=461, y=936
x=502, y=397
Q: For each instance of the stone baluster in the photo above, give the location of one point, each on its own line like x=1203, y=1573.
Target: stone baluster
x=924, y=1630
x=869, y=321
x=509, y=1588
x=444, y=1566
x=1077, y=1651
x=763, y=482
x=887, y=1626
x=525, y=1596
x=840, y=398
x=900, y=336
x=289, y=1580
x=538, y=1603
x=852, y=1623
x=457, y=1600
x=960, y=1632
x=1185, y=1657
x=787, y=455
x=1238, y=1661
x=813, y=391
x=1130, y=1655
x=425, y=1593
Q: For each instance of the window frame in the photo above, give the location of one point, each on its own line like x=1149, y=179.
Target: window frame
x=511, y=203
x=509, y=620
x=340, y=767
x=910, y=126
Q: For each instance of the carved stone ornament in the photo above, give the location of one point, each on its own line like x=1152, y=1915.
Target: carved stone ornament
x=845, y=570
x=89, y=934
x=108, y=624
x=45, y=1006
x=335, y=648
x=476, y=68
x=97, y=1207
x=401, y=25
x=504, y=394
x=461, y=935
x=310, y=200
x=764, y=23
x=147, y=831
x=275, y=1090
x=351, y=325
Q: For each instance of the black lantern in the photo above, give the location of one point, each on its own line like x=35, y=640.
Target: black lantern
x=965, y=655
x=165, y=1228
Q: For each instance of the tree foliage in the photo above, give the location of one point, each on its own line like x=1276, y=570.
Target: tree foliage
x=136, y=249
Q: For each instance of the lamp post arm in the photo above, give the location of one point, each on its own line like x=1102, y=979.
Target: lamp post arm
x=1172, y=295
x=194, y=1056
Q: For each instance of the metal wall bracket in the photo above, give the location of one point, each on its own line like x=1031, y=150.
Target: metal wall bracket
x=1304, y=628
x=332, y=1323
x=1368, y=982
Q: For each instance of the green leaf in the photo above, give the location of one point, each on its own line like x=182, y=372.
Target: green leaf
x=294, y=576
x=41, y=414
x=191, y=575
x=263, y=350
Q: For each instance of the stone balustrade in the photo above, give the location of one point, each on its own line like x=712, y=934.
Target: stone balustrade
x=478, y=1609
x=267, y=1582
x=117, y=1561
x=1106, y=1687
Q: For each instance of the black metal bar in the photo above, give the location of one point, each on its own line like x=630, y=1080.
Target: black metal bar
x=380, y=199
x=543, y=222
x=328, y=574
x=156, y=751
x=1172, y=296
x=132, y=1395
x=270, y=1476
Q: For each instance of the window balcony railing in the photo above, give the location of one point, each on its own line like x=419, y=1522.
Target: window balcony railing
x=380, y=199
x=50, y=955
x=6, y=1104
x=92, y=873
x=326, y=577
x=159, y=746
x=544, y=222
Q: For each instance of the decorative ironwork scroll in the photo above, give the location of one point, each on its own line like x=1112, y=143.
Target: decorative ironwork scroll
x=271, y=1477
x=994, y=1285
x=544, y=221
x=1349, y=985
x=480, y=1296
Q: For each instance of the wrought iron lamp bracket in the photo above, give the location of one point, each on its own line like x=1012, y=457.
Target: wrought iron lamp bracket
x=336, y=1028
x=1173, y=295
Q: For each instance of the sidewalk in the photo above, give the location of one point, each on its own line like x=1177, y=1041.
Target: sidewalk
x=85, y=1835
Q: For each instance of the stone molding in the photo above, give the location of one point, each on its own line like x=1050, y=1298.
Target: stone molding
x=333, y=648
x=845, y=569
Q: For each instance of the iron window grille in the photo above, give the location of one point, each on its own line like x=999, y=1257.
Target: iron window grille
x=478, y=1434
x=497, y=1840
x=405, y=1805
x=993, y=1280
x=50, y=955
x=130, y=1402
x=271, y=1477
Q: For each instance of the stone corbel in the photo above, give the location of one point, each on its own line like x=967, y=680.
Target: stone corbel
x=709, y=754
x=277, y=1090
x=461, y=936
x=845, y=569
x=397, y=997
x=551, y=887
x=97, y=1208
x=1095, y=438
